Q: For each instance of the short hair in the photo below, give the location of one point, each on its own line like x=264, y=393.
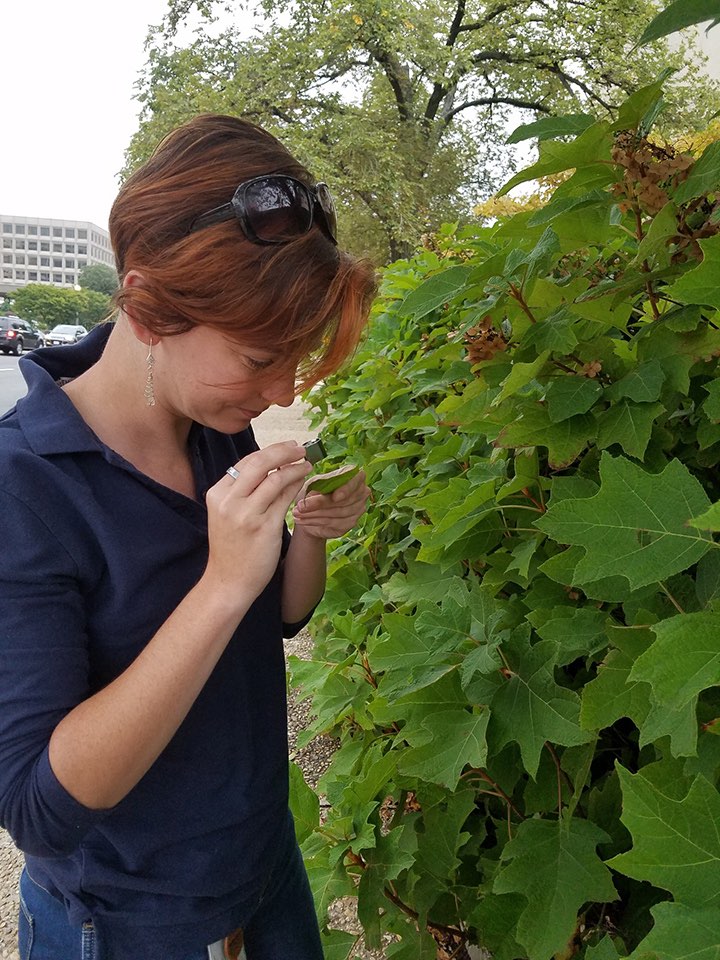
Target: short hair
x=308, y=295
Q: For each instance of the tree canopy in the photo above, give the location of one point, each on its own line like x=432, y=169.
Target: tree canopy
x=404, y=107
x=48, y=306
x=99, y=277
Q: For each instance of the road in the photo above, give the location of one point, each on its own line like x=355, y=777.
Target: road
x=12, y=385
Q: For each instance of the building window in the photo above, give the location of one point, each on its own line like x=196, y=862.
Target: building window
x=70, y=263
x=32, y=230
x=7, y=258
x=44, y=231
x=69, y=248
x=44, y=245
x=45, y=278
x=19, y=244
x=81, y=264
x=44, y=261
x=7, y=274
x=19, y=274
x=70, y=278
x=32, y=275
x=57, y=261
x=19, y=258
x=7, y=228
x=82, y=234
x=82, y=248
x=7, y=244
x=57, y=248
x=70, y=232
x=32, y=244
x=57, y=278
x=19, y=228
x=32, y=261
x=57, y=231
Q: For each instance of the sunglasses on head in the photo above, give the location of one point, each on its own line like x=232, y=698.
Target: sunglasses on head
x=275, y=209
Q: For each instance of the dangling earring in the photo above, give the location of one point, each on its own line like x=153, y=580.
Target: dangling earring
x=149, y=384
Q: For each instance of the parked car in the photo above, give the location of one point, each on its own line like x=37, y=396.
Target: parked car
x=65, y=333
x=17, y=335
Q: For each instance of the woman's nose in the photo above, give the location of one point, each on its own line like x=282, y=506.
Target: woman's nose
x=280, y=390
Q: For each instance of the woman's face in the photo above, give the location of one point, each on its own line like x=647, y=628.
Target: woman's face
x=206, y=376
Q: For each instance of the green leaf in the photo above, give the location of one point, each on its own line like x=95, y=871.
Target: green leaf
x=704, y=176
x=530, y=708
x=629, y=425
x=681, y=932
x=394, y=853
x=422, y=581
x=678, y=15
x=565, y=441
x=520, y=375
x=612, y=695
x=434, y=292
x=683, y=661
x=635, y=526
x=578, y=631
x=337, y=945
x=554, y=332
x=605, y=950
x=557, y=156
x=332, y=480
x=701, y=284
x=555, y=866
x=563, y=205
x=547, y=128
x=676, y=844
x=304, y=804
x=444, y=816
x=458, y=739
x=568, y=396
x=643, y=383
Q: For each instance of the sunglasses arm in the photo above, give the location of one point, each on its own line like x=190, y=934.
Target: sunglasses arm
x=216, y=215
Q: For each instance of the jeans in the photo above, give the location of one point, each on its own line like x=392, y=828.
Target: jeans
x=283, y=927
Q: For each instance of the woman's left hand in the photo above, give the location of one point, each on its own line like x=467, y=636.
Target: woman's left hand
x=330, y=515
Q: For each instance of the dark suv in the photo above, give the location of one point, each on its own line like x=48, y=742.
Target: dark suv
x=17, y=335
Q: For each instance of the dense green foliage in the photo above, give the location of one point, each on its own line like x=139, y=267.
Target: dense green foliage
x=403, y=107
x=519, y=650
x=48, y=306
x=99, y=277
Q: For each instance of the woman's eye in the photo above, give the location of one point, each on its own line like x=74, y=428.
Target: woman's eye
x=256, y=364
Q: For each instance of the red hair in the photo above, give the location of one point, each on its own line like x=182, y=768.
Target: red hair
x=307, y=296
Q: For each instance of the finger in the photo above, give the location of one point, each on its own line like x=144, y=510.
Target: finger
x=279, y=488
x=255, y=467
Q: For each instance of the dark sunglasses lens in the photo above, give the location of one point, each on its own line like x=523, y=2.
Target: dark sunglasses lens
x=327, y=205
x=277, y=208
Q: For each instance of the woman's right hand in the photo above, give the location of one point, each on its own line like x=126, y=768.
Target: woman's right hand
x=245, y=519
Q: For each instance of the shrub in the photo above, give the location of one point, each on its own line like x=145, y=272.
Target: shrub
x=519, y=649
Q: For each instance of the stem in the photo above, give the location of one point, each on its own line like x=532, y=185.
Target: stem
x=477, y=771
x=671, y=598
x=561, y=775
x=517, y=295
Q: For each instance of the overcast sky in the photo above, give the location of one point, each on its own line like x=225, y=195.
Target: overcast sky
x=67, y=114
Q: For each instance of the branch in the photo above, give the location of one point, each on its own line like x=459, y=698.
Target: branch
x=489, y=101
x=396, y=75
x=503, y=8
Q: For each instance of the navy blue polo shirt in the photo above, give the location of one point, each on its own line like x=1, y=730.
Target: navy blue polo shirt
x=94, y=557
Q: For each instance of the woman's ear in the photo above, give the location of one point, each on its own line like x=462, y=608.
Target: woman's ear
x=133, y=278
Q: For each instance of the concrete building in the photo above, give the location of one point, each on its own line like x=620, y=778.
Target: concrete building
x=35, y=250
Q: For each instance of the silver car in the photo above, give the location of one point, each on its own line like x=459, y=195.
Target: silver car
x=65, y=333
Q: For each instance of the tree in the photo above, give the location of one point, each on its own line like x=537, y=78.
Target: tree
x=48, y=306
x=99, y=277
x=403, y=107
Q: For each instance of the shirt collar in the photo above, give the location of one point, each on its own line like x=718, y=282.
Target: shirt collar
x=46, y=415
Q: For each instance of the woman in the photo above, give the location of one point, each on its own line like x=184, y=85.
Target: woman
x=147, y=575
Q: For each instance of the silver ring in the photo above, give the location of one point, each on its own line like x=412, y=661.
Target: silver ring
x=232, y=472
